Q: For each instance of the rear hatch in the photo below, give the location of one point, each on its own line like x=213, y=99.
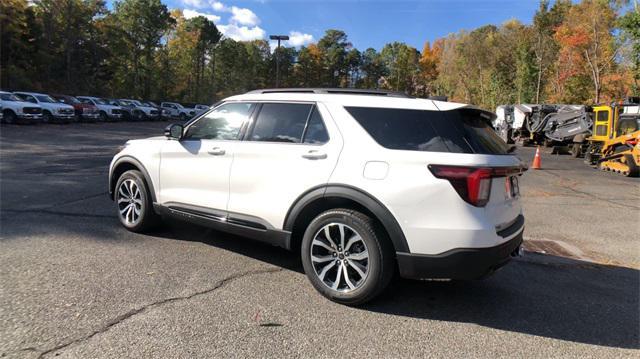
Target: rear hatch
x=465, y=149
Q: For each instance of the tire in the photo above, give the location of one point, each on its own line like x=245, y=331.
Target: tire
x=103, y=116
x=378, y=267
x=547, y=143
x=9, y=117
x=146, y=219
x=47, y=117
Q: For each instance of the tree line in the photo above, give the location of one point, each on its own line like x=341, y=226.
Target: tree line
x=585, y=52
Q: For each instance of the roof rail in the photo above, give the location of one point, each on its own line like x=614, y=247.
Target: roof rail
x=345, y=91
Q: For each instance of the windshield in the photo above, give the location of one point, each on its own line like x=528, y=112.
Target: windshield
x=179, y=105
x=125, y=103
x=9, y=97
x=152, y=104
x=45, y=98
x=136, y=102
x=102, y=101
x=456, y=131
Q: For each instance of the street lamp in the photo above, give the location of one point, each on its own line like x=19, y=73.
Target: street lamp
x=279, y=38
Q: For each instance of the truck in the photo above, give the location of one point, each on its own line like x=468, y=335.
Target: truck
x=52, y=110
x=177, y=111
x=16, y=110
x=106, y=111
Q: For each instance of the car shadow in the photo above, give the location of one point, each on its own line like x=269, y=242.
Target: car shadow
x=539, y=295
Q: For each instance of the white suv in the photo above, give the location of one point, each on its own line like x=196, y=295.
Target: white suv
x=362, y=183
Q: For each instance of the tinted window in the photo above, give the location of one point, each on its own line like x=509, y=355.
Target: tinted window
x=316, y=133
x=281, y=122
x=224, y=123
x=458, y=131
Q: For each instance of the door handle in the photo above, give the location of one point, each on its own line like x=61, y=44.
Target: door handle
x=216, y=151
x=314, y=155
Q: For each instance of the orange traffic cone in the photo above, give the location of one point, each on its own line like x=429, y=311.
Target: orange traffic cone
x=536, y=160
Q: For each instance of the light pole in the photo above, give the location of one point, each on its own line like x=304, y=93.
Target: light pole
x=279, y=38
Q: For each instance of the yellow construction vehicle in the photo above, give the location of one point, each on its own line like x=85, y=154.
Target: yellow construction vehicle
x=614, y=144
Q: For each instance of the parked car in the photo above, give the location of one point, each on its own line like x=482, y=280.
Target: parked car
x=200, y=109
x=144, y=111
x=106, y=111
x=84, y=111
x=177, y=111
x=14, y=109
x=360, y=182
x=163, y=114
x=52, y=110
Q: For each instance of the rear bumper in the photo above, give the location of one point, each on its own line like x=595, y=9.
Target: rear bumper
x=463, y=263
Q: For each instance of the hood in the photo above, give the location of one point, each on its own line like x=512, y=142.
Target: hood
x=58, y=105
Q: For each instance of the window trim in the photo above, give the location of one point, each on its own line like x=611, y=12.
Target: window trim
x=256, y=113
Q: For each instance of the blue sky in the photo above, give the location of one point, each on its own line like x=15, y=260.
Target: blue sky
x=368, y=23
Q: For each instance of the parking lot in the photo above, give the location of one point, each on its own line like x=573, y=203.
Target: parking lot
x=74, y=283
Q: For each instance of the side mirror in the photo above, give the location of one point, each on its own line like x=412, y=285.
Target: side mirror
x=174, y=131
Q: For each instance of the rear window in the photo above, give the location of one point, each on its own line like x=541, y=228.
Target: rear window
x=456, y=131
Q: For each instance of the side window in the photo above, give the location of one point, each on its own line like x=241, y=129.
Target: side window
x=224, y=123
x=281, y=122
x=603, y=116
x=316, y=133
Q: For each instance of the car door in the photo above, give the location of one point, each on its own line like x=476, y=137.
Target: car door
x=289, y=148
x=194, y=172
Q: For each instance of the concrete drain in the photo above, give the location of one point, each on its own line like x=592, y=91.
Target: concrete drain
x=554, y=248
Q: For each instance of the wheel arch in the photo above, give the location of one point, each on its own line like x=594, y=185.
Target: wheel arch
x=319, y=199
x=124, y=164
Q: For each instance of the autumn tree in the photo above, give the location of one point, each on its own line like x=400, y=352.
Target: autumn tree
x=586, y=39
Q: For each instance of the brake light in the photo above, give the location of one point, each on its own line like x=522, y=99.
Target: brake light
x=473, y=184
x=632, y=142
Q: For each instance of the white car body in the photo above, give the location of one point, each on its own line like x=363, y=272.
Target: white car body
x=177, y=111
x=12, y=106
x=258, y=188
x=106, y=110
x=56, y=110
x=200, y=109
x=148, y=110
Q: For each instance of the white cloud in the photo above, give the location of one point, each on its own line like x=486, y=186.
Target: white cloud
x=297, y=39
x=244, y=16
x=218, y=6
x=188, y=14
x=242, y=33
x=194, y=3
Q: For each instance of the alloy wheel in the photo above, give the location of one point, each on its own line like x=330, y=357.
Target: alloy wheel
x=339, y=257
x=129, y=201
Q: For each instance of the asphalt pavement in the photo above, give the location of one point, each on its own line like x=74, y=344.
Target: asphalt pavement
x=74, y=283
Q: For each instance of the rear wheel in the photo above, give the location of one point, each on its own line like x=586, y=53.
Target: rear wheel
x=347, y=257
x=134, y=204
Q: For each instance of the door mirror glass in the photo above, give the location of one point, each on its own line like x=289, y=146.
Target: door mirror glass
x=174, y=131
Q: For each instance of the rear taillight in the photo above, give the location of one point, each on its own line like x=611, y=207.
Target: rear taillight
x=473, y=184
x=632, y=142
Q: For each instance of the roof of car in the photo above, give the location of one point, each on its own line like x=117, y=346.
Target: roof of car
x=348, y=97
x=31, y=93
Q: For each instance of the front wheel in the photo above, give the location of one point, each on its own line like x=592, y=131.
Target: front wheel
x=134, y=204
x=47, y=117
x=347, y=256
